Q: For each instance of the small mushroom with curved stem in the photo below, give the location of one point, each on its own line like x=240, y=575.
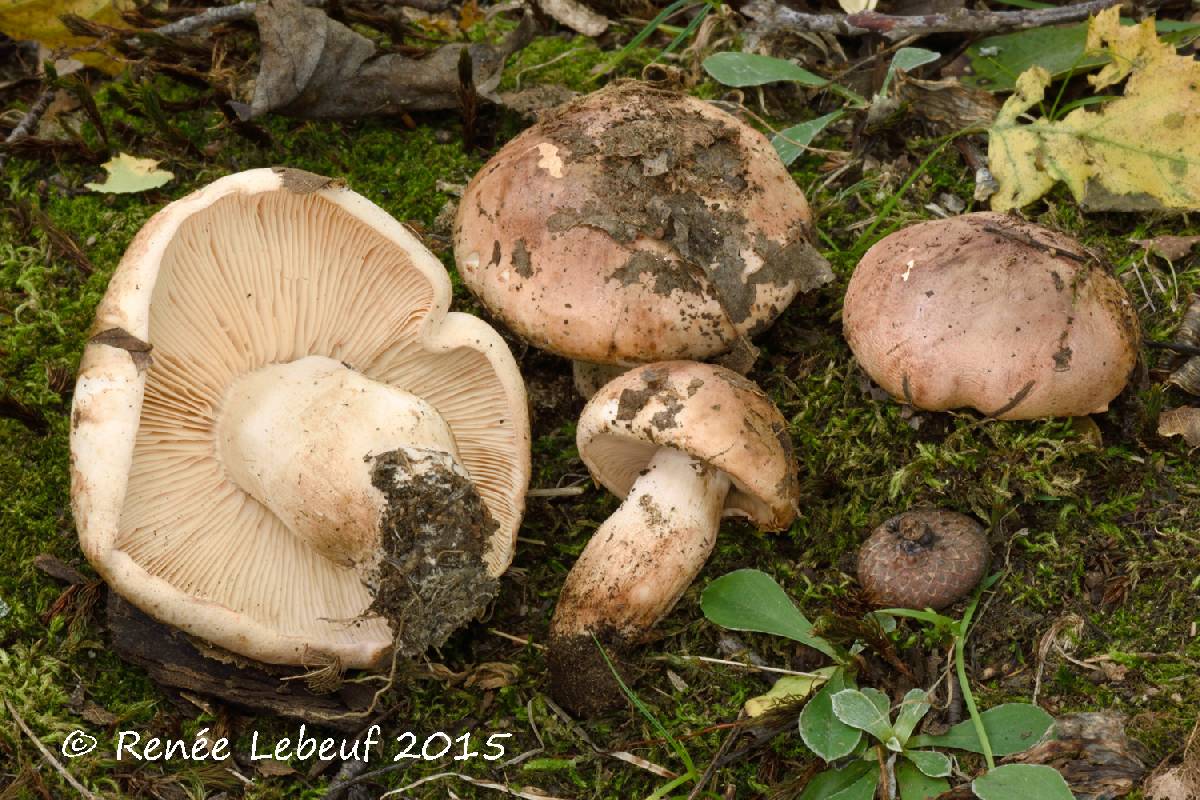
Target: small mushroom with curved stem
x=684, y=444
x=991, y=312
x=636, y=225
x=923, y=559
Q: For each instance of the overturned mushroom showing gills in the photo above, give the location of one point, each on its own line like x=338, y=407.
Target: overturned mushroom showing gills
x=991, y=312
x=684, y=444
x=282, y=442
x=636, y=225
x=923, y=559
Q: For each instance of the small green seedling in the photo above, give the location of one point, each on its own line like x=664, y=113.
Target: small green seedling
x=854, y=730
x=741, y=70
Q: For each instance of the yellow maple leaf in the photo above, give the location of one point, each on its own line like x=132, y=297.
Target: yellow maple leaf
x=40, y=21
x=1139, y=152
x=128, y=174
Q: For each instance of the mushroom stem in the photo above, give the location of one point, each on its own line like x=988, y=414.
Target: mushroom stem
x=303, y=439
x=632, y=572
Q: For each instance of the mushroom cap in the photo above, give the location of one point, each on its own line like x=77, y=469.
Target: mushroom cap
x=711, y=413
x=635, y=225
x=992, y=312
x=262, y=267
x=923, y=559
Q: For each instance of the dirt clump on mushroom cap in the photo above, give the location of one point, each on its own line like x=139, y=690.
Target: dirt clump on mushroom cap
x=994, y=313
x=923, y=559
x=636, y=224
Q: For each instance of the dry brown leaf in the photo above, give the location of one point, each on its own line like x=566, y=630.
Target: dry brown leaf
x=948, y=104
x=1093, y=753
x=576, y=16
x=1138, y=152
x=1183, y=422
x=317, y=68
x=1181, y=782
x=1172, y=248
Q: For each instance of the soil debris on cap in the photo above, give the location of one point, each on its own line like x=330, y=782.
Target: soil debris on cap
x=658, y=176
x=435, y=529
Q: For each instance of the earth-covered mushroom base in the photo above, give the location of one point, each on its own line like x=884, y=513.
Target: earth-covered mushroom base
x=432, y=577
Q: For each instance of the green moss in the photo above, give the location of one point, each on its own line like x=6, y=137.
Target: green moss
x=1103, y=530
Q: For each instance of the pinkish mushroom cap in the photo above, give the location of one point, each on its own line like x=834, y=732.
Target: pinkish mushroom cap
x=635, y=225
x=991, y=312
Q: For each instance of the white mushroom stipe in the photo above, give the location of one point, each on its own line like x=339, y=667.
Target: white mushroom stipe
x=647, y=553
x=299, y=438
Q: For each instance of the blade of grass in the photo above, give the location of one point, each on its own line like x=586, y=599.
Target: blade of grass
x=960, y=667
x=686, y=33
x=860, y=244
x=643, y=35
x=645, y=711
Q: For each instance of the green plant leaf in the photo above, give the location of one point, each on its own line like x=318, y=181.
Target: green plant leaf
x=751, y=600
x=1011, y=728
x=129, y=174
x=822, y=732
x=880, y=700
x=905, y=60
x=790, y=142
x=750, y=69
x=997, y=61
x=916, y=785
x=859, y=710
x=930, y=762
x=913, y=709
x=1022, y=782
x=855, y=781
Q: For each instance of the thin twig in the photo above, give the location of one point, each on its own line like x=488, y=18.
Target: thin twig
x=245, y=10
x=46, y=754
x=208, y=19
x=517, y=639
x=557, y=491
x=895, y=27
x=743, y=665
x=29, y=122
x=1177, y=347
x=711, y=770
x=500, y=787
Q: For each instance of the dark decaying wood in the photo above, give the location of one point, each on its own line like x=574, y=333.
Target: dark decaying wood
x=171, y=658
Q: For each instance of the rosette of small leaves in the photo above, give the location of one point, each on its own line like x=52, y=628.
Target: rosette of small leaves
x=862, y=739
